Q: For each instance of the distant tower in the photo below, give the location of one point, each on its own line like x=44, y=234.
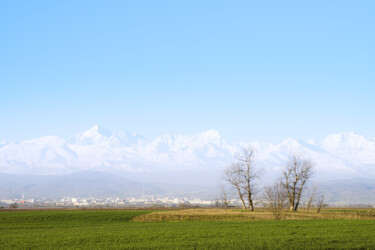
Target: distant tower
x=143, y=191
x=23, y=197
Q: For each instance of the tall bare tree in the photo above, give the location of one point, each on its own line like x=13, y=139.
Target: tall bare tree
x=295, y=174
x=242, y=175
x=275, y=199
x=233, y=175
x=249, y=173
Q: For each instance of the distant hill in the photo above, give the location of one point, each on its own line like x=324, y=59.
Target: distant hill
x=92, y=184
x=102, y=185
x=82, y=184
x=353, y=191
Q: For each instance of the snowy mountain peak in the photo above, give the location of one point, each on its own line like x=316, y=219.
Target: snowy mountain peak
x=290, y=144
x=290, y=141
x=210, y=136
x=96, y=131
x=211, y=132
x=95, y=135
x=347, y=141
x=103, y=137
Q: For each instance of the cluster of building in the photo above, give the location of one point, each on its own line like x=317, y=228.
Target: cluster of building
x=144, y=201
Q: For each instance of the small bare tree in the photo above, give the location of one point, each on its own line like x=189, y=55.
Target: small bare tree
x=320, y=204
x=224, y=196
x=311, y=197
x=233, y=175
x=249, y=173
x=295, y=174
x=275, y=199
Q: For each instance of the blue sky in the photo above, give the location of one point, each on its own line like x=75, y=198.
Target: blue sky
x=254, y=70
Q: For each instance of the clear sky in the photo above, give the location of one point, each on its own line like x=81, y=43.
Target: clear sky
x=253, y=70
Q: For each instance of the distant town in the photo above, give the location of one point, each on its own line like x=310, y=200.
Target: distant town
x=113, y=202
x=137, y=202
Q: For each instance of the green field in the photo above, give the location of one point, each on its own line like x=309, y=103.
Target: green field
x=115, y=229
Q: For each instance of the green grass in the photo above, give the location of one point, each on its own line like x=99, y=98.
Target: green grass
x=113, y=229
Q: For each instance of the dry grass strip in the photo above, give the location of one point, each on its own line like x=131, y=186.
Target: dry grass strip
x=244, y=215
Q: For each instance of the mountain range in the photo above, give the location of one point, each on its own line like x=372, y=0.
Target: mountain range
x=92, y=184
x=205, y=154
x=101, y=163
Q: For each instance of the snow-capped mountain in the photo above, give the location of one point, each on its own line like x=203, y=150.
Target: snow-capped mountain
x=101, y=136
x=340, y=155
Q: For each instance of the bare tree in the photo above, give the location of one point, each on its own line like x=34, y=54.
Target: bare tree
x=233, y=175
x=295, y=174
x=275, y=199
x=311, y=197
x=249, y=173
x=320, y=204
x=224, y=196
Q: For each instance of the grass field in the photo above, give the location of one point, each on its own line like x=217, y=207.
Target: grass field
x=212, y=229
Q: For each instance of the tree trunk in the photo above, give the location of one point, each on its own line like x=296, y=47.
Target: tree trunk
x=296, y=206
x=251, y=206
x=243, y=203
x=241, y=197
x=291, y=203
x=299, y=195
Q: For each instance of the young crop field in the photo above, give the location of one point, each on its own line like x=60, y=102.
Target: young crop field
x=185, y=229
